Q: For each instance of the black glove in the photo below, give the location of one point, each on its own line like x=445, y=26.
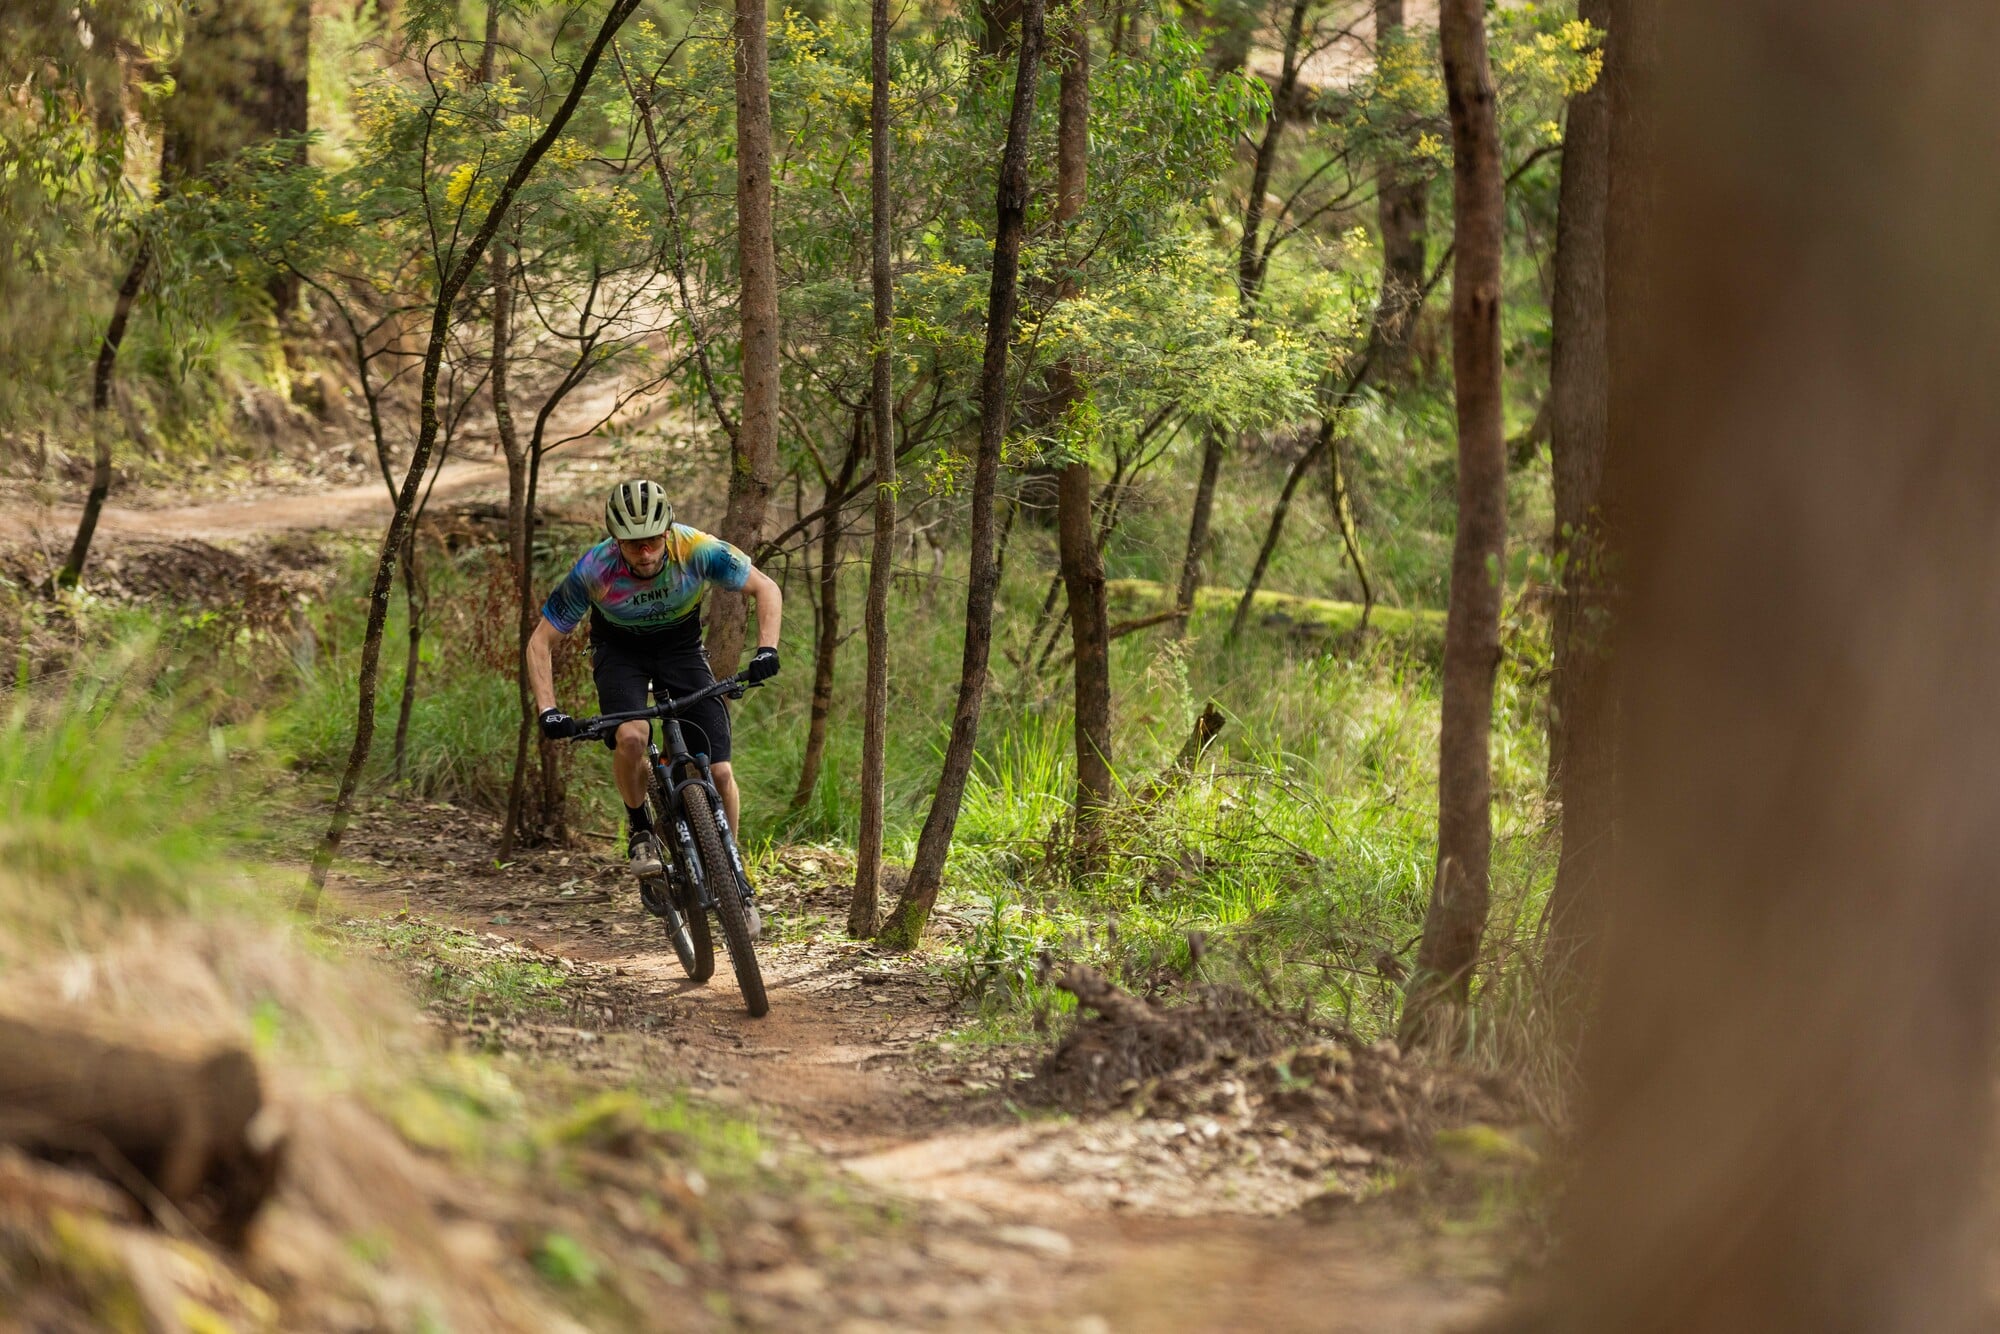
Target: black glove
x=763, y=665
x=557, y=725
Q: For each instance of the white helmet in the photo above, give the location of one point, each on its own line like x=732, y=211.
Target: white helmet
x=637, y=510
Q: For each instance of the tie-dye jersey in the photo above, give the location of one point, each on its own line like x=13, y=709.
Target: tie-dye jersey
x=621, y=602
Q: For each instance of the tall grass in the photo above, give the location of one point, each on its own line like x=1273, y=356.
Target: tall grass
x=116, y=795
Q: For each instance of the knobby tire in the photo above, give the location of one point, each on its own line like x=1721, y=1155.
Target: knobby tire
x=728, y=902
x=699, y=964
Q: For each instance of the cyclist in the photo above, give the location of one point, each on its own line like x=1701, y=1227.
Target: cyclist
x=643, y=587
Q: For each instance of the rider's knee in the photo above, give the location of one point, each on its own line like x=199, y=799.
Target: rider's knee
x=632, y=738
x=723, y=774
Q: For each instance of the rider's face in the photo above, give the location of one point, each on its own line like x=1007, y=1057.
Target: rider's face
x=645, y=557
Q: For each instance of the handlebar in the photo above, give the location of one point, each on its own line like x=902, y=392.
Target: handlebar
x=595, y=729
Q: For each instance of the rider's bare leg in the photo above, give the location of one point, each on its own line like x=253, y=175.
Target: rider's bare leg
x=725, y=785
x=628, y=766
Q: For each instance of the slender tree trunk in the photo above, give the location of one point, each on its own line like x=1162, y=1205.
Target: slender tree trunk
x=515, y=827
x=1251, y=257
x=1402, y=212
x=1582, y=715
x=1790, y=1114
x=1082, y=568
x=520, y=559
x=1457, y=916
x=1197, y=543
x=863, y=911
x=1350, y=535
x=428, y=424
x=1321, y=443
x=905, y=926
x=753, y=473
x=413, y=609
x=100, y=406
x=826, y=647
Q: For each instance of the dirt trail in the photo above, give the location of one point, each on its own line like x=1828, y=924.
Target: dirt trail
x=363, y=504
x=842, y=1063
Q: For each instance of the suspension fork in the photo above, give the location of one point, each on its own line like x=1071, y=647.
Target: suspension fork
x=670, y=793
x=722, y=823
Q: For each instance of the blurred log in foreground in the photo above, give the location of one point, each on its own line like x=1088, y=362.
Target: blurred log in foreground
x=186, y=1135
x=1791, y=1077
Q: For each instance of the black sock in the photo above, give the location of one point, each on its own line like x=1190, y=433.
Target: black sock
x=637, y=819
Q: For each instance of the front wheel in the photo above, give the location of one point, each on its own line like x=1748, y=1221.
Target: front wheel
x=686, y=923
x=728, y=900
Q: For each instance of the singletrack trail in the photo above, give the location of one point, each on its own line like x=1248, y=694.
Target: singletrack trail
x=1038, y=1237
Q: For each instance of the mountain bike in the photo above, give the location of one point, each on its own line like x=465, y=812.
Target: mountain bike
x=703, y=871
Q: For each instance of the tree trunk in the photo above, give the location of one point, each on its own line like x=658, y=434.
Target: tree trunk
x=905, y=926
x=1402, y=212
x=1350, y=536
x=826, y=646
x=1582, y=715
x=862, y=912
x=1082, y=568
x=427, y=433
x=753, y=473
x=1790, y=1080
x=1197, y=543
x=100, y=405
x=1457, y=916
x=413, y=607
x=241, y=79
x=515, y=827
x=998, y=20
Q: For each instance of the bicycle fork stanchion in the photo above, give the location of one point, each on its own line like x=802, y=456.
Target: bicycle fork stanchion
x=728, y=834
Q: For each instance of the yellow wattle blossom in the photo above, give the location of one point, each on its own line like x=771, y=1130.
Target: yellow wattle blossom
x=460, y=183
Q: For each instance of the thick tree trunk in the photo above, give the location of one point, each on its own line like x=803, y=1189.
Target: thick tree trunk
x=1582, y=715
x=905, y=926
x=1790, y=1080
x=826, y=645
x=1457, y=916
x=998, y=21
x=753, y=472
x=241, y=79
x=1402, y=212
x=428, y=423
x=1082, y=568
x=862, y=912
x=100, y=405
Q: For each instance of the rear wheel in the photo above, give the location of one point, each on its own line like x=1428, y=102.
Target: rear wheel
x=728, y=900
x=689, y=936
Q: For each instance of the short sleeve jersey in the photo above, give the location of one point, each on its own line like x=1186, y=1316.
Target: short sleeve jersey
x=622, y=605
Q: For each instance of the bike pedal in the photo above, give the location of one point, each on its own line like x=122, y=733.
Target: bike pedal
x=653, y=893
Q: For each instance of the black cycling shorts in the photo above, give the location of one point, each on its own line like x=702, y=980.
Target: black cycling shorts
x=626, y=667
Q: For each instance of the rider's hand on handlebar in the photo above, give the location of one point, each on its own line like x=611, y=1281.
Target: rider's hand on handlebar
x=558, y=726
x=763, y=665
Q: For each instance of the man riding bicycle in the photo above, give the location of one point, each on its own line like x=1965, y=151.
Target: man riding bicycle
x=643, y=587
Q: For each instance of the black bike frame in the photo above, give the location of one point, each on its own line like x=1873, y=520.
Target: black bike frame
x=698, y=771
